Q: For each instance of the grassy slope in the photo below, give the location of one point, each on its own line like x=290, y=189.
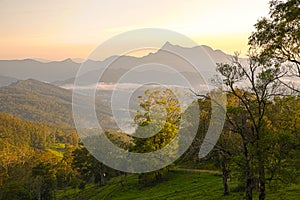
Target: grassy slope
x=57, y=149
x=179, y=185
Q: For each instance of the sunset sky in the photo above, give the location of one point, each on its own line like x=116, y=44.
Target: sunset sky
x=56, y=30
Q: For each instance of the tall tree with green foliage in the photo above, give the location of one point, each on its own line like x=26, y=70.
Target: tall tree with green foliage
x=158, y=123
x=88, y=167
x=44, y=181
x=254, y=86
x=278, y=35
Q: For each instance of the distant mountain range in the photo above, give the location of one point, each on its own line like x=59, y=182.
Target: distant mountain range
x=28, y=68
x=63, y=72
x=183, y=60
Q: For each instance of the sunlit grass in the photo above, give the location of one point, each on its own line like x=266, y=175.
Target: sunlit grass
x=57, y=149
x=177, y=185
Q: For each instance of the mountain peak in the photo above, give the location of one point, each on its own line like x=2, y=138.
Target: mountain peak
x=68, y=60
x=27, y=82
x=167, y=45
x=207, y=48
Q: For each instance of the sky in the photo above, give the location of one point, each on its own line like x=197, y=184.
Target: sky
x=56, y=30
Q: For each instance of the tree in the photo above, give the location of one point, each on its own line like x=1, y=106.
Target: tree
x=161, y=128
x=201, y=108
x=88, y=167
x=15, y=191
x=284, y=142
x=229, y=146
x=65, y=173
x=278, y=36
x=44, y=181
x=254, y=86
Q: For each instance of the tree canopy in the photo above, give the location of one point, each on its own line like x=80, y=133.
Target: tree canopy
x=278, y=35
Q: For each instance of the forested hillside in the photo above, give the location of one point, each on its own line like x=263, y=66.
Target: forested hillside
x=37, y=158
x=38, y=101
x=34, y=100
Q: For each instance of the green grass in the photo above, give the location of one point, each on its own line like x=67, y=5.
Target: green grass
x=57, y=149
x=178, y=185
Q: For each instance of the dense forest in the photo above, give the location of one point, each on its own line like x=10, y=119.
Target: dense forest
x=257, y=154
x=39, y=158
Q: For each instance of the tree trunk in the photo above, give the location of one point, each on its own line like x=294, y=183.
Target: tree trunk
x=262, y=178
x=248, y=188
x=248, y=177
x=225, y=173
x=102, y=181
x=248, y=184
x=225, y=182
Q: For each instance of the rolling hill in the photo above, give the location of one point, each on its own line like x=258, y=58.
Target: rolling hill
x=5, y=80
x=38, y=101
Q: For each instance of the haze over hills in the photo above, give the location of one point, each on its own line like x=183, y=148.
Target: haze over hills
x=5, y=80
x=63, y=72
x=39, y=101
x=34, y=99
x=165, y=63
x=29, y=68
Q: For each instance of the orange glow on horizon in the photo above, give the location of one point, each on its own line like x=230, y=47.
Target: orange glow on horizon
x=54, y=30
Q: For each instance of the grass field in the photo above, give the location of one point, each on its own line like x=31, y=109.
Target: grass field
x=57, y=149
x=178, y=185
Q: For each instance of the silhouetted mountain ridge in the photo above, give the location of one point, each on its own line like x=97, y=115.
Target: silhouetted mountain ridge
x=60, y=71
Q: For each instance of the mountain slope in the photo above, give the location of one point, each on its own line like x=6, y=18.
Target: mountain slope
x=38, y=101
x=34, y=100
x=5, y=80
